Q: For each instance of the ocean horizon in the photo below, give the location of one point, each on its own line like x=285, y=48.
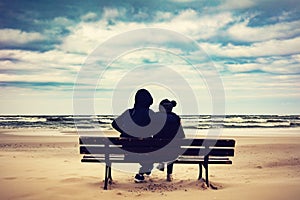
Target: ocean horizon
x=192, y=122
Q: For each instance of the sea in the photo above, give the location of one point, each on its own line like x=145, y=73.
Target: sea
x=189, y=122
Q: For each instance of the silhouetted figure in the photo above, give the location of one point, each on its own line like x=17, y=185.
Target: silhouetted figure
x=171, y=129
x=135, y=123
x=134, y=119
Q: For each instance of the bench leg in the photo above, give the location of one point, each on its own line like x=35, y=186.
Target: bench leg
x=109, y=176
x=106, y=177
x=200, y=171
x=206, y=170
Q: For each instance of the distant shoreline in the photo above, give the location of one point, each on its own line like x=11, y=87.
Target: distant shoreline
x=189, y=122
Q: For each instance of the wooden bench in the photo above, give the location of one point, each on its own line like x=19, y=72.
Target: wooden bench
x=193, y=151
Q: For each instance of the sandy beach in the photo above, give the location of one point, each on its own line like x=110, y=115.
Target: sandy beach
x=48, y=167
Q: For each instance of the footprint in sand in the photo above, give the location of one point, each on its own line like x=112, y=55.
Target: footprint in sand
x=71, y=180
x=10, y=178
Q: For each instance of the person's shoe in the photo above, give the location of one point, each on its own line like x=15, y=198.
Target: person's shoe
x=139, y=178
x=169, y=177
x=161, y=167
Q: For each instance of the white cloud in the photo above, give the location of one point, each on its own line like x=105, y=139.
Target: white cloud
x=286, y=15
x=111, y=13
x=260, y=86
x=279, y=67
x=296, y=57
x=28, y=66
x=89, y=16
x=268, y=48
x=242, y=32
x=197, y=26
x=231, y=5
x=60, y=21
x=162, y=16
x=41, y=59
x=18, y=37
x=42, y=77
x=85, y=36
x=275, y=65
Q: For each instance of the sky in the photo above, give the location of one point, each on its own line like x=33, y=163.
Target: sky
x=251, y=47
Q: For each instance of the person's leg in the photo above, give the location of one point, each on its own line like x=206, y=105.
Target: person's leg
x=170, y=168
x=161, y=166
x=145, y=168
x=169, y=172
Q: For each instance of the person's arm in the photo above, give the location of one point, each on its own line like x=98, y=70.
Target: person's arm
x=115, y=126
x=180, y=132
x=118, y=124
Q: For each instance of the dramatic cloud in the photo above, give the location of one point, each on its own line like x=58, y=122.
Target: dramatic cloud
x=243, y=32
x=87, y=35
x=89, y=16
x=231, y=5
x=14, y=37
x=254, y=45
x=267, y=48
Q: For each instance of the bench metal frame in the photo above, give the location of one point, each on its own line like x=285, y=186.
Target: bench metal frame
x=110, y=150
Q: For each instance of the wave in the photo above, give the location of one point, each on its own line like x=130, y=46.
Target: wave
x=188, y=121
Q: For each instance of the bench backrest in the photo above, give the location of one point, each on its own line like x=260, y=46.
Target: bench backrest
x=188, y=147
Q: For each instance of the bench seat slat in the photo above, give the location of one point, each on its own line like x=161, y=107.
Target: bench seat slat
x=177, y=162
x=155, y=142
x=182, y=161
x=212, y=152
x=184, y=151
x=101, y=156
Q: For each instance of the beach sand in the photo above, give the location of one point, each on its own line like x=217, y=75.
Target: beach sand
x=49, y=167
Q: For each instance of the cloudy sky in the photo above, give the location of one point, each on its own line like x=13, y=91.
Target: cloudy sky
x=254, y=45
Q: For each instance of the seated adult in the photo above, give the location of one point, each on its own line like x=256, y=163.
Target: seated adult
x=172, y=129
x=135, y=123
